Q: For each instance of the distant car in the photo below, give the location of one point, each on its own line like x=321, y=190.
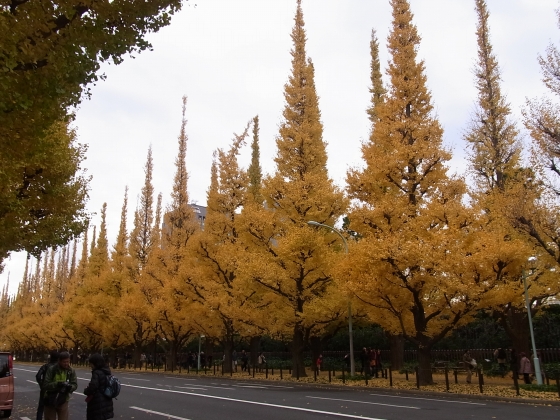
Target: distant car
x=6, y=384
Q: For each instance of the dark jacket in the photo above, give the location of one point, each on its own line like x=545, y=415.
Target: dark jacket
x=99, y=407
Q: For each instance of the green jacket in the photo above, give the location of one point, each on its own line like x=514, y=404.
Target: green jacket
x=56, y=374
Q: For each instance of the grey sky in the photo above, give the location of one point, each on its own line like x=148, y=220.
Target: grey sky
x=232, y=59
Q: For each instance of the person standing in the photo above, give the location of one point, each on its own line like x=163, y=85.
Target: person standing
x=501, y=357
x=234, y=360
x=261, y=361
x=99, y=406
x=319, y=363
x=60, y=382
x=244, y=360
x=525, y=368
x=467, y=362
x=40, y=378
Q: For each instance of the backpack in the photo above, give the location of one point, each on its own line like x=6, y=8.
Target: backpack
x=113, y=388
x=40, y=377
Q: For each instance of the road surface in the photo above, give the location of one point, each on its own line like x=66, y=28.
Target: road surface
x=159, y=396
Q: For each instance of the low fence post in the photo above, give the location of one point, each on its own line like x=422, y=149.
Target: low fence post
x=297, y=372
x=365, y=376
x=417, y=370
x=390, y=377
x=329, y=375
x=266, y=370
x=253, y=371
x=343, y=377
x=446, y=379
x=315, y=374
x=558, y=386
x=455, y=374
x=406, y=374
x=281, y=373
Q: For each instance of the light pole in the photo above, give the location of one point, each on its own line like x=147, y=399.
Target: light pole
x=352, y=365
x=200, y=337
x=535, y=355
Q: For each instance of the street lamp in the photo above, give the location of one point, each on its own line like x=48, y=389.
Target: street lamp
x=352, y=365
x=200, y=337
x=535, y=356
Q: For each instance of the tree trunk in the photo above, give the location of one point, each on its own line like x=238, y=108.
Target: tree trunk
x=316, y=349
x=209, y=351
x=173, y=354
x=228, y=348
x=136, y=354
x=298, y=346
x=255, y=344
x=516, y=325
x=397, y=351
x=425, y=366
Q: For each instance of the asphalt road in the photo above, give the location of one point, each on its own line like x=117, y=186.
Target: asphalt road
x=161, y=396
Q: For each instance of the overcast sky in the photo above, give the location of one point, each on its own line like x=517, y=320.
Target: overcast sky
x=232, y=59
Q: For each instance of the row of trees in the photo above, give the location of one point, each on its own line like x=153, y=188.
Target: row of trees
x=426, y=251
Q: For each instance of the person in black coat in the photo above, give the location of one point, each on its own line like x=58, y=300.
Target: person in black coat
x=99, y=407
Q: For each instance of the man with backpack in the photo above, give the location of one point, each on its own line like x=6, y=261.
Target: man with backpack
x=60, y=381
x=40, y=378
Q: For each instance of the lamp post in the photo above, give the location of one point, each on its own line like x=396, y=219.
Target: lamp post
x=352, y=365
x=535, y=355
x=200, y=337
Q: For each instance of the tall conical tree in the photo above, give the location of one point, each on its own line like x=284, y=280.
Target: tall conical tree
x=120, y=248
x=99, y=259
x=506, y=192
x=296, y=256
x=254, y=171
x=377, y=89
x=174, y=309
x=410, y=268
x=218, y=251
x=493, y=138
x=141, y=239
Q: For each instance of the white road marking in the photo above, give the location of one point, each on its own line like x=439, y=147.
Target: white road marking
x=191, y=387
x=365, y=402
x=217, y=387
x=33, y=382
x=287, y=407
x=137, y=379
x=169, y=416
x=182, y=379
x=250, y=386
x=25, y=370
x=25, y=418
x=428, y=399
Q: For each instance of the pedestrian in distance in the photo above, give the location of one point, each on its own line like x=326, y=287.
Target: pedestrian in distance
x=234, y=360
x=319, y=363
x=99, y=406
x=244, y=361
x=261, y=361
x=468, y=363
x=60, y=382
x=525, y=367
x=40, y=378
x=501, y=358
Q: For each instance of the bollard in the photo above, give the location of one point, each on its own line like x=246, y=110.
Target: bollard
x=455, y=374
x=558, y=386
x=446, y=379
x=516, y=382
x=343, y=378
x=417, y=377
x=297, y=372
x=365, y=376
x=197, y=369
x=390, y=377
x=179, y=368
x=231, y=371
x=222, y=368
x=205, y=369
x=281, y=373
x=480, y=380
x=315, y=374
x=214, y=369
x=253, y=371
x=406, y=374
x=329, y=375
x=266, y=371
